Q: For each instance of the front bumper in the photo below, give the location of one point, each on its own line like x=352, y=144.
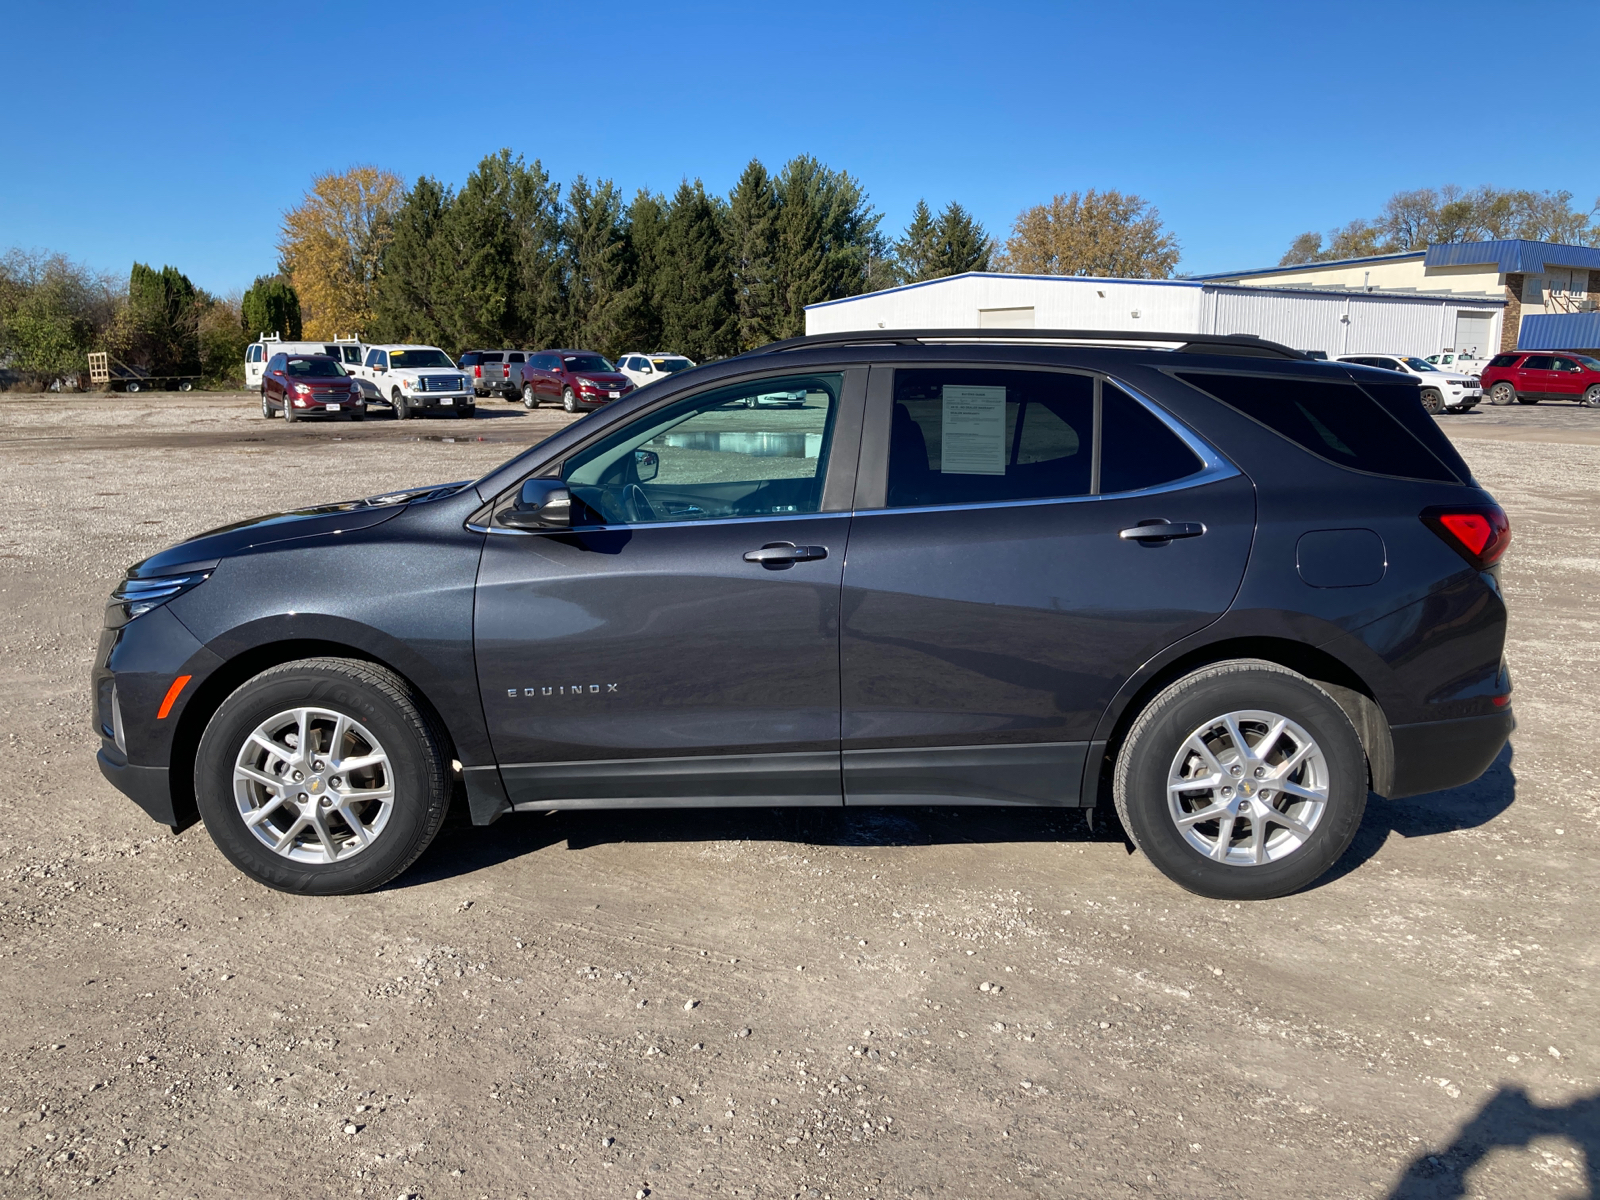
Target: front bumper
x=440, y=400
x=148, y=787
x=1435, y=755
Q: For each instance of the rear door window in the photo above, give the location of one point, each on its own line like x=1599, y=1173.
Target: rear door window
x=1342, y=423
x=489, y=358
x=1538, y=362
x=516, y=358
x=981, y=436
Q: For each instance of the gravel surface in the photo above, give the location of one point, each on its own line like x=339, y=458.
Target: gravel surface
x=768, y=1003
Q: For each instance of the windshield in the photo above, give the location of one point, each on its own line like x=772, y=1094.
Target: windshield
x=1592, y=363
x=1417, y=364
x=413, y=359
x=313, y=368
x=585, y=362
x=669, y=365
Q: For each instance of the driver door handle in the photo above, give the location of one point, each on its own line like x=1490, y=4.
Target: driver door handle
x=1162, y=531
x=784, y=554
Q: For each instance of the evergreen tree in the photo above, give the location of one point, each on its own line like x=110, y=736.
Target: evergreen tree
x=914, y=253
x=960, y=244
x=478, y=259
x=411, y=291
x=271, y=306
x=160, y=327
x=595, y=266
x=753, y=248
x=640, y=309
x=541, y=317
x=694, y=279
x=827, y=240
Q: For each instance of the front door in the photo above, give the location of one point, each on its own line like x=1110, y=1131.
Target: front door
x=993, y=602
x=680, y=644
x=1566, y=379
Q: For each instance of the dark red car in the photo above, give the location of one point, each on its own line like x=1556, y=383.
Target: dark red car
x=309, y=385
x=1529, y=376
x=580, y=379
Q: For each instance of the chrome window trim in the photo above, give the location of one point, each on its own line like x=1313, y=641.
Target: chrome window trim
x=662, y=524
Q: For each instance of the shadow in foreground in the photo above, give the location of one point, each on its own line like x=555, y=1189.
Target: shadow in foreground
x=1511, y=1120
x=462, y=849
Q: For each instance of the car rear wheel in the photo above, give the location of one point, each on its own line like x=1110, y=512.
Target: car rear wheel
x=1432, y=401
x=530, y=398
x=569, y=400
x=1242, y=781
x=1502, y=393
x=1591, y=398
x=322, y=777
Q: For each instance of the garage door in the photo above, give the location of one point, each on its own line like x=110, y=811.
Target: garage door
x=1473, y=331
x=1005, y=318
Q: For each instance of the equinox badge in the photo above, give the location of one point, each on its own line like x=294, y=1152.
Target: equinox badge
x=568, y=689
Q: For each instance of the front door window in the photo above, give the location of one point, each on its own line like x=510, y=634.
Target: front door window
x=756, y=449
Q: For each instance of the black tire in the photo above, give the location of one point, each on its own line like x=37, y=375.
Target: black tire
x=289, y=413
x=1527, y=399
x=1502, y=394
x=1591, y=398
x=530, y=398
x=467, y=411
x=1162, y=730
x=401, y=411
x=569, y=400
x=186, y=386
x=418, y=753
x=1432, y=402
x=358, y=416
x=133, y=385
x=266, y=409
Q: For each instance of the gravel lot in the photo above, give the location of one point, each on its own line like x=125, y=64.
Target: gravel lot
x=773, y=1004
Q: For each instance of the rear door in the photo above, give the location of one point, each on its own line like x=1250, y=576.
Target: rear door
x=1536, y=376
x=996, y=597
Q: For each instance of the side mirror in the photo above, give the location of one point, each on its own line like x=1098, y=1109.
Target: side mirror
x=647, y=369
x=541, y=504
x=646, y=463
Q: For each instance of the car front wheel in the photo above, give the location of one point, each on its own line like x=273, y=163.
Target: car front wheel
x=1242, y=781
x=1502, y=394
x=322, y=777
x=1591, y=398
x=401, y=411
x=266, y=409
x=569, y=400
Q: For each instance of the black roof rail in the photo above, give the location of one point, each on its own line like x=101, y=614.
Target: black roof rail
x=1247, y=344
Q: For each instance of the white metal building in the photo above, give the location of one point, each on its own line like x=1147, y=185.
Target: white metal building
x=1333, y=320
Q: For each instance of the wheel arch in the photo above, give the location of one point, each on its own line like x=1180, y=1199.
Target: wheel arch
x=234, y=672
x=1341, y=681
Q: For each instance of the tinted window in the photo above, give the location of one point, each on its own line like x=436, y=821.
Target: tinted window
x=671, y=365
x=1338, y=422
x=1502, y=360
x=352, y=355
x=711, y=456
x=586, y=362
x=1564, y=364
x=965, y=437
x=469, y=359
x=374, y=357
x=275, y=363
x=514, y=358
x=488, y=358
x=1538, y=362
x=1136, y=449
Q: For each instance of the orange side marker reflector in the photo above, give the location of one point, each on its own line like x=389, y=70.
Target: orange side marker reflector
x=172, y=695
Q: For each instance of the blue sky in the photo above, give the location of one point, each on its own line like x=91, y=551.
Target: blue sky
x=179, y=132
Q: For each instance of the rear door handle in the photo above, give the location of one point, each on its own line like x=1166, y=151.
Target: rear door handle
x=784, y=554
x=1162, y=531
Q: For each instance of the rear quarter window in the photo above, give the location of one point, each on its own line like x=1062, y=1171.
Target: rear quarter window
x=1502, y=360
x=1342, y=423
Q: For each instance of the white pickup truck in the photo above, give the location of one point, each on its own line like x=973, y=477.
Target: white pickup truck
x=417, y=379
x=346, y=350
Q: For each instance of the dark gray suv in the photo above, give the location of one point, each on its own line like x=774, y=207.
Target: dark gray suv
x=1226, y=588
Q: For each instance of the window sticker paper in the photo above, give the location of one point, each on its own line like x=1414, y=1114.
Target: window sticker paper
x=973, y=441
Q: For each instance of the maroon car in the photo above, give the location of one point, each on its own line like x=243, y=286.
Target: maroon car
x=1529, y=376
x=309, y=385
x=580, y=379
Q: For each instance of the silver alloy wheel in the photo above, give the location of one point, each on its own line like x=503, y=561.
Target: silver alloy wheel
x=528, y=398
x=1502, y=393
x=1591, y=398
x=313, y=785
x=1248, y=788
x=569, y=400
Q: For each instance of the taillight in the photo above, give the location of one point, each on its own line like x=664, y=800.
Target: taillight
x=505, y=372
x=477, y=372
x=1479, y=533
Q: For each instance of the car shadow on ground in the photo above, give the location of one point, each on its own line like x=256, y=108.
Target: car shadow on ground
x=1509, y=1119
x=462, y=849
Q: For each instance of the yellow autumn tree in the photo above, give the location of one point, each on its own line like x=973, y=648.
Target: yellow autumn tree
x=1105, y=233
x=331, y=244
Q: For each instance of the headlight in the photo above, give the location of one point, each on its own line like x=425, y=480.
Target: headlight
x=588, y=383
x=135, y=597
x=301, y=389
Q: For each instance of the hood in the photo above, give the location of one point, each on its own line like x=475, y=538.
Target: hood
x=610, y=378
x=207, y=549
